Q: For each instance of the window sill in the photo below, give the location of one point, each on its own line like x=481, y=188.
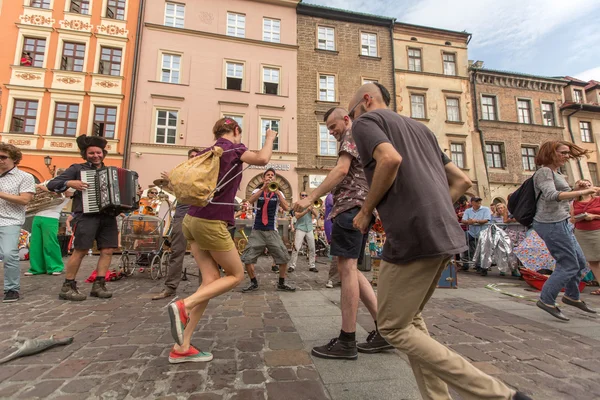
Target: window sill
x=169, y=83
x=497, y=169
x=66, y=71
x=107, y=76
x=333, y=52
x=336, y=103
x=449, y=74
x=421, y=119
x=269, y=94
x=327, y=157
x=232, y=90
x=38, y=8
x=375, y=58
x=19, y=133
x=455, y=122
x=124, y=21
x=78, y=14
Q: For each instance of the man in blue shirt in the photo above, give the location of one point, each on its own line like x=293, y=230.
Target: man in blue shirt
x=477, y=218
x=304, y=229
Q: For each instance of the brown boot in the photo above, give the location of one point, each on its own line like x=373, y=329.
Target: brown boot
x=99, y=290
x=70, y=292
x=164, y=294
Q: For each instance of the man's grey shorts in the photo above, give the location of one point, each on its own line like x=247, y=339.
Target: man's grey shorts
x=257, y=242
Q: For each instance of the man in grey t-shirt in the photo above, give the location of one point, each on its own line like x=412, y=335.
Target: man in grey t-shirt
x=402, y=163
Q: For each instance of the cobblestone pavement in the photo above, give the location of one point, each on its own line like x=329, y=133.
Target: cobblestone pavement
x=121, y=344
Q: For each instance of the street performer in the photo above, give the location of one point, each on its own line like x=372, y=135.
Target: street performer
x=349, y=186
x=264, y=233
x=99, y=227
x=304, y=229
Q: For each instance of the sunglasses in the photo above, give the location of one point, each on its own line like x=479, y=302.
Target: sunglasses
x=351, y=113
x=303, y=195
x=153, y=192
x=4, y=158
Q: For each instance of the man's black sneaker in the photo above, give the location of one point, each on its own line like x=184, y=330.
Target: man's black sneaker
x=521, y=396
x=275, y=268
x=250, y=288
x=374, y=344
x=285, y=288
x=11, y=296
x=336, y=349
x=313, y=269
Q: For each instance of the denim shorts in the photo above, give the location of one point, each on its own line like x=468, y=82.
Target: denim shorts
x=346, y=240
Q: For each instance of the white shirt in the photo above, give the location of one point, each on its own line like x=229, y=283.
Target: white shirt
x=53, y=212
x=14, y=182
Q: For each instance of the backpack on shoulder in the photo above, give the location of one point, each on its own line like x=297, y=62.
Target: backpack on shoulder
x=522, y=204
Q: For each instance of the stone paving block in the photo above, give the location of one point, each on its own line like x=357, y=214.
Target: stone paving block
x=30, y=373
x=250, y=345
x=245, y=323
x=282, y=374
x=9, y=391
x=550, y=369
x=222, y=367
x=7, y=370
x=206, y=396
x=308, y=373
x=186, y=382
x=301, y=390
x=116, y=386
x=41, y=390
x=284, y=341
x=471, y=352
x=250, y=361
x=83, y=385
x=67, y=369
x=487, y=367
x=143, y=390
x=116, y=353
x=252, y=377
x=279, y=358
x=249, y=394
x=218, y=382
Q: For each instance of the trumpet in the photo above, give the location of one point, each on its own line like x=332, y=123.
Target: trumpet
x=273, y=187
x=317, y=204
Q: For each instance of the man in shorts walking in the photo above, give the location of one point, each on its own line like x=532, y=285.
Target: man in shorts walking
x=265, y=234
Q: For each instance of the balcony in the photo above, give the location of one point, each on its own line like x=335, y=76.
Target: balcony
x=27, y=76
x=107, y=84
x=77, y=23
x=68, y=80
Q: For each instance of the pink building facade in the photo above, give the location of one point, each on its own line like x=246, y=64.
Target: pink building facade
x=201, y=60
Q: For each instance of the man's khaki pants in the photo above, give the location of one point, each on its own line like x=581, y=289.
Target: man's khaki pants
x=403, y=291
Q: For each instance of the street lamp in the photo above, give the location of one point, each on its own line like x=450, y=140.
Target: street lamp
x=48, y=162
x=304, y=182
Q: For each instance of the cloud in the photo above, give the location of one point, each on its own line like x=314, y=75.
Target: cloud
x=593, y=73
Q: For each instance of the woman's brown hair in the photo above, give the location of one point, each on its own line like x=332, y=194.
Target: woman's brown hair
x=547, y=153
x=225, y=125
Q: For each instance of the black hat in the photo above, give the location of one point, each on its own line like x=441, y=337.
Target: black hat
x=84, y=141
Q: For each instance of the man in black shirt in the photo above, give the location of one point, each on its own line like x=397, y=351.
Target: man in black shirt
x=88, y=227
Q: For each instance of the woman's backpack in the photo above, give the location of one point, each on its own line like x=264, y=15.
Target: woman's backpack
x=194, y=181
x=522, y=204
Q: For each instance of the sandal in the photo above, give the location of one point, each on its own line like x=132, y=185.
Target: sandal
x=596, y=292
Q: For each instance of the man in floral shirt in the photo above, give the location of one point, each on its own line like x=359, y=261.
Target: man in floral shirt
x=349, y=186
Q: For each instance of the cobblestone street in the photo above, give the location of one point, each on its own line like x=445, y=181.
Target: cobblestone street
x=261, y=342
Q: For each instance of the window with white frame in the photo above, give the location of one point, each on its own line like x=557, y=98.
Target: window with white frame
x=236, y=25
x=524, y=111
x=577, y=96
x=414, y=60
x=452, y=109
x=528, y=158
x=174, y=14
x=326, y=38
x=548, y=114
x=586, y=132
x=80, y=6
x=271, y=30
x=488, y=108
x=166, y=126
x=327, y=87
x=270, y=80
x=234, y=76
x=40, y=4
x=24, y=116
x=449, y=63
x=368, y=44
x=268, y=123
x=417, y=106
x=237, y=118
x=170, y=69
x=115, y=9
x=495, y=155
x=457, y=151
x=327, y=143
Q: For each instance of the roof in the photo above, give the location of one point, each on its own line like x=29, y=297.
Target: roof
x=569, y=105
x=575, y=81
x=497, y=71
x=592, y=84
x=343, y=15
x=463, y=33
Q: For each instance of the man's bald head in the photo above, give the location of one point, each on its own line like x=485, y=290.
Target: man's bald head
x=369, y=96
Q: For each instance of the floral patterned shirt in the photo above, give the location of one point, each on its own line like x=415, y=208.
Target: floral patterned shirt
x=352, y=190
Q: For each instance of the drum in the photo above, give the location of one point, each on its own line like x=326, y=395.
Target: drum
x=164, y=213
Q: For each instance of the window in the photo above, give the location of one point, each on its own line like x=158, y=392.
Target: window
x=171, y=65
x=327, y=87
x=548, y=114
x=326, y=38
x=414, y=60
x=488, y=108
x=237, y=118
x=115, y=9
x=457, y=151
x=327, y=143
x=234, y=76
x=36, y=49
x=452, y=110
x=272, y=124
x=417, y=106
x=236, y=25
x=368, y=44
x=524, y=111
x=72, y=57
x=174, y=14
x=528, y=158
x=577, y=96
x=105, y=121
x=271, y=30
x=593, y=173
x=449, y=63
x=367, y=80
x=40, y=4
x=110, y=61
x=586, y=132
x=495, y=155
x=24, y=115
x=65, y=119
x=166, y=126
x=80, y=6
x=271, y=80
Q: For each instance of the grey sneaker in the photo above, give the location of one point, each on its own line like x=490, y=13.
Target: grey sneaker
x=70, y=292
x=375, y=343
x=250, y=288
x=99, y=290
x=336, y=349
x=285, y=288
x=11, y=296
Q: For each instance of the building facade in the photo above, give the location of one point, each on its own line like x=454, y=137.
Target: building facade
x=432, y=86
x=338, y=51
x=514, y=114
x=65, y=70
x=203, y=60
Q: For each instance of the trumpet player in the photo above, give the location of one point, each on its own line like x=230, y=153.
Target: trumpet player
x=268, y=199
x=303, y=228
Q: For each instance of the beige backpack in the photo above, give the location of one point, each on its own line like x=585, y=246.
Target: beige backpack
x=194, y=181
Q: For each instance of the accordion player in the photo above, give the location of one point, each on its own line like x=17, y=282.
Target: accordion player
x=111, y=190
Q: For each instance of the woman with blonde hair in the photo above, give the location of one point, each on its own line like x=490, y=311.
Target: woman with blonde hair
x=585, y=214
x=551, y=222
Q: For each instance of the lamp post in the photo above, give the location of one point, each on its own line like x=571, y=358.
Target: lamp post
x=48, y=162
x=304, y=182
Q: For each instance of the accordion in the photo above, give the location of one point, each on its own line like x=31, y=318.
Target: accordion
x=111, y=190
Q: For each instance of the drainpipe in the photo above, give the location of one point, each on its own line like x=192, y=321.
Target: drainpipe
x=573, y=136
x=476, y=118
x=134, y=76
x=393, y=66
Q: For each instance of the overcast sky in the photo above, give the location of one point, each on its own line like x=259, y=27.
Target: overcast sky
x=539, y=37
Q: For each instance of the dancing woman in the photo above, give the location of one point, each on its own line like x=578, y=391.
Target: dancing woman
x=211, y=243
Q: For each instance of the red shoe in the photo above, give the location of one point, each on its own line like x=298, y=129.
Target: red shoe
x=192, y=355
x=179, y=320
